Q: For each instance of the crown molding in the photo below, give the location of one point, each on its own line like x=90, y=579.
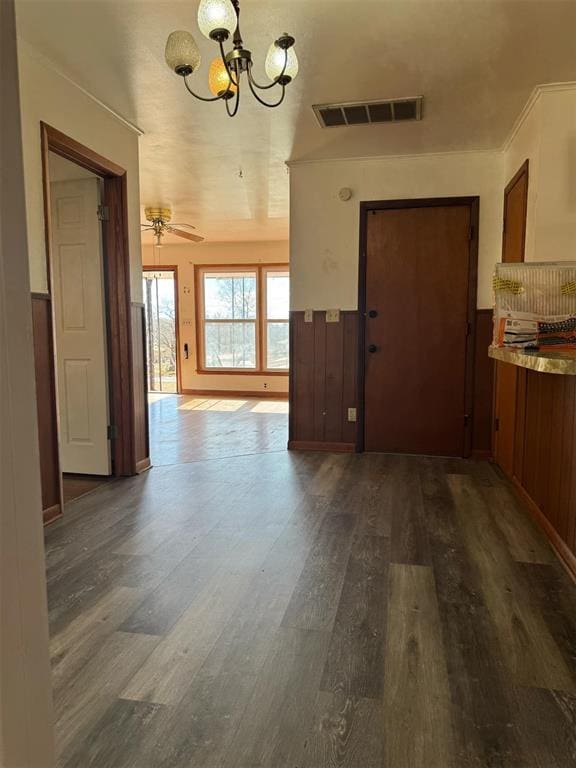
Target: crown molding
x=533, y=99
x=41, y=58
x=386, y=158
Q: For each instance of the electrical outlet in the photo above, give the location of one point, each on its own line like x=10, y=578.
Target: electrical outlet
x=332, y=315
x=308, y=315
x=351, y=414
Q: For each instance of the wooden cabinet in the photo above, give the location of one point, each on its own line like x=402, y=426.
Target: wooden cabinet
x=505, y=415
x=535, y=446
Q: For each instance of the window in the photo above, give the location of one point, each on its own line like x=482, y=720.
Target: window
x=242, y=318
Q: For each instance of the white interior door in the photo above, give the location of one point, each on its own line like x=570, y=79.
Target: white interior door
x=82, y=372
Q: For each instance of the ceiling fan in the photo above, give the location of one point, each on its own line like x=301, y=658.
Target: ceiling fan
x=159, y=223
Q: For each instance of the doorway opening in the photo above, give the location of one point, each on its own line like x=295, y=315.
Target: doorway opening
x=80, y=326
x=89, y=371
x=160, y=291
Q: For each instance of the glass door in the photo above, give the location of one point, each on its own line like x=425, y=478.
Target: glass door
x=159, y=289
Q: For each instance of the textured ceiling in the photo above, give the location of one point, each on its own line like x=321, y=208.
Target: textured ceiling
x=475, y=62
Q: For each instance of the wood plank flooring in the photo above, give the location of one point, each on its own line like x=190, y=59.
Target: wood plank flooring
x=185, y=428
x=310, y=610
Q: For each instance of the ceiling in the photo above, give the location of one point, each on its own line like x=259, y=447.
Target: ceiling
x=475, y=62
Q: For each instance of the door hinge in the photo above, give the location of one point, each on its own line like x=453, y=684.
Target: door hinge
x=112, y=432
x=103, y=213
x=496, y=424
x=472, y=233
x=468, y=328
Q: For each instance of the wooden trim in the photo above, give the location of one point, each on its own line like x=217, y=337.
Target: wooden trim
x=171, y=268
x=117, y=282
x=119, y=310
x=143, y=465
x=63, y=145
x=259, y=323
x=565, y=555
x=51, y=514
x=305, y=445
x=523, y=170
x=473, y=202
x=239, y=372
x=40, y=296
x=236, y=393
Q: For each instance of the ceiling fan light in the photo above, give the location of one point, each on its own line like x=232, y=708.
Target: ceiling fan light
x=182, y=53
x=219, y=80
x=275, y=63
x=217, y=19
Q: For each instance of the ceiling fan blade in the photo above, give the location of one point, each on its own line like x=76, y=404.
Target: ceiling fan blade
x=175, y=224
x=185, y=235
x=145, y=226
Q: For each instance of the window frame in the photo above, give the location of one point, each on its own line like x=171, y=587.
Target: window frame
x=260, y=323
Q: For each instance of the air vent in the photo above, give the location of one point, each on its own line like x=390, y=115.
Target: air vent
x=369, y=112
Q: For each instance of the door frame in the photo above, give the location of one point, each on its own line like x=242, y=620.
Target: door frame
x=366, y=207
x=170, y=268
x=116, y=286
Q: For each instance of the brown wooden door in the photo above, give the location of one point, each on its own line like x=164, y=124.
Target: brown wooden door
x=418, y=271
x=506, y=382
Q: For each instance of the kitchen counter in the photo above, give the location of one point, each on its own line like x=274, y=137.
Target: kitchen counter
x=563, y=363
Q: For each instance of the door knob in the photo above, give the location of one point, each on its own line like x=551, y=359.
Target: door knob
x=372, y=348
x=372, y=313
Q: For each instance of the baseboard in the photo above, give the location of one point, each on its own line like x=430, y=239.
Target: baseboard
x=51, y=513
x=143, y=465
x=313, y=445
x=565, y=554
x=481, y=455
x=233, y=393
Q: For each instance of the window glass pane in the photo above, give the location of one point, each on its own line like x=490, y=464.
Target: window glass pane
x=230, y=345
x=277, y=345
x=277, y=295
x=230, y=296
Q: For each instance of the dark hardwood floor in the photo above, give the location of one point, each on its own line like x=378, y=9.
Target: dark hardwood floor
x=310, y=611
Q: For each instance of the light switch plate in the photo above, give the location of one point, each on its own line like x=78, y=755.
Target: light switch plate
x=308, y=315
x=351, y=414
x=332, y=315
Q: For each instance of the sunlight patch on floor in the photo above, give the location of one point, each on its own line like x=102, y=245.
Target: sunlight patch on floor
x=267, y=406
x=221, y=406
x=154, y=397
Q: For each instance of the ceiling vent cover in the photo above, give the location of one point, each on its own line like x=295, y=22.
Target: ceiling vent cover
x=369, y=112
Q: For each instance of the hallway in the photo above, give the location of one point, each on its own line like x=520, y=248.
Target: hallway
x=310, y=610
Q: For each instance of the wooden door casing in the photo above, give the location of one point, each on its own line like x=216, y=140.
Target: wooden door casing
x=420, y=279
x=506, y=376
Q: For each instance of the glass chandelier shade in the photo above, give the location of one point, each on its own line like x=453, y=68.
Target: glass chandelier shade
x=216, y=15
x=182, y=52
x=276, y=59
x=218, y=21
x=219, y=80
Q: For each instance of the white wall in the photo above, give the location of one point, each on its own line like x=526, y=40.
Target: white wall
x=185, y=257
x=26, y=732
x=324, y=232
x=49, y=97
x=555, y=225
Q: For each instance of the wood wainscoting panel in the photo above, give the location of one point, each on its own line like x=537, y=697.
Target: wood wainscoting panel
x=548, y=469
x=141, y=441
x=323, y=381
x=46, y=406
x=483, y=386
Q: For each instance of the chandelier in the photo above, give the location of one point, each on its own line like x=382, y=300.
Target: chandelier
x=218, y=20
